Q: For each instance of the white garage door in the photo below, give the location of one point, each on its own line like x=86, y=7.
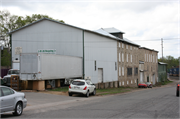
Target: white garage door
x=100, y=75
x=141, y=77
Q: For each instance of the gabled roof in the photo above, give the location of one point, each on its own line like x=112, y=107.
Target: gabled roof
x=42, y=20
x=104, y=32
x=112, y=30
x=162, y=63
x=101, y=31
x=148, y=49
x=129, y=41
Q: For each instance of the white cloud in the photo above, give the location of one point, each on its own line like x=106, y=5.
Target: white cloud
x=139, y=19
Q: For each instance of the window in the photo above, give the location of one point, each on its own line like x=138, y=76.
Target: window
x=153, y=58
x=119, y=83
x=145, y=57
x=126, y=46
x=127, y=57
x=131, y=58
x=122, y=71
x=135, y=71
x=115, y=65
x=119, y=71
x=7, y=91
x=119, y=57
x=127, y=82
x=149, y=58
x=135, y=80
x=13, y=72
x=131, y=47
x=122, y=45
x=129, y=71
x=122, y=57
x=119, y=44
x=123, y=83
x=79, y=83
x=95, y=65
x=88, y=82
x=131, y=82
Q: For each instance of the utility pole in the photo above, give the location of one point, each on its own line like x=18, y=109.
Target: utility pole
x=162, y=47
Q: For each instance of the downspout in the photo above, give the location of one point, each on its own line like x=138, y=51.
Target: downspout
x=83, y=55
x=11, y=49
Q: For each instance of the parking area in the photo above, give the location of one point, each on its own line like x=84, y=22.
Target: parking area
x=37, y=98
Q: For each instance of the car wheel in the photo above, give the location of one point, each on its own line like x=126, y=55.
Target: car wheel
x=18, y=109
x=94, y=92
x=70, y=94
x=87, y=94
x=177, y=94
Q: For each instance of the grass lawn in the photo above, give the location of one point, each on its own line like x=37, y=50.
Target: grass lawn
x=109, y=90
x=166, y=82
x=113, y=90
x=61, y=89
x=100, y=91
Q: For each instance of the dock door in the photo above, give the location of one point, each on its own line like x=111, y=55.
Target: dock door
x=100, y=75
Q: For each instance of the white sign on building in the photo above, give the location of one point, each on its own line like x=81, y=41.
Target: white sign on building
x=47, y=51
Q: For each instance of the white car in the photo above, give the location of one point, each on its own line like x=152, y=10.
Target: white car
x=81, y=86
x=11, y=101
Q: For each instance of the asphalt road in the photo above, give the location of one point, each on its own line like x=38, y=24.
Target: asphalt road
x=154, y=103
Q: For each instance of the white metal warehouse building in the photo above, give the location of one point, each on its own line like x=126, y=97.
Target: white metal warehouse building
x=98, y=49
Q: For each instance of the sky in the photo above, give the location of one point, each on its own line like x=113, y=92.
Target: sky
x=145, y=22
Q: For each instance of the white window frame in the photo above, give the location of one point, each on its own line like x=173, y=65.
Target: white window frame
x=122, y=57
x=123, y=83
x=119, y=83
x=127, y=82
x=126, y=46
x=127, y=57
x=122, y=71
x=122, y=45
x=119, y=70
x=119, y=57
x=119, y=44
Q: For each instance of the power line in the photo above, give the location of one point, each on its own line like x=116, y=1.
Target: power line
x=157, y=39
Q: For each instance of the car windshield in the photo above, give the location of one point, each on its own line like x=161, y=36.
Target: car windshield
x=148, y=83
x=13, y=72
x=78, y=83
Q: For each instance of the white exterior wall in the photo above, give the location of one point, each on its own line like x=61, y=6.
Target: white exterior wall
x=48, y=35
x=104, y=51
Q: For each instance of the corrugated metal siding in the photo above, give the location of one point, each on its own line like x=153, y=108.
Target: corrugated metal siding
x=48, y=35
x=104, y=51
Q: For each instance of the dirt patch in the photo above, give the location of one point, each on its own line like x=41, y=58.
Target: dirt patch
x=54, y=92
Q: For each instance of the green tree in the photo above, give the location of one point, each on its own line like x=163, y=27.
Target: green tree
x=5, y=58
x=170, y=60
